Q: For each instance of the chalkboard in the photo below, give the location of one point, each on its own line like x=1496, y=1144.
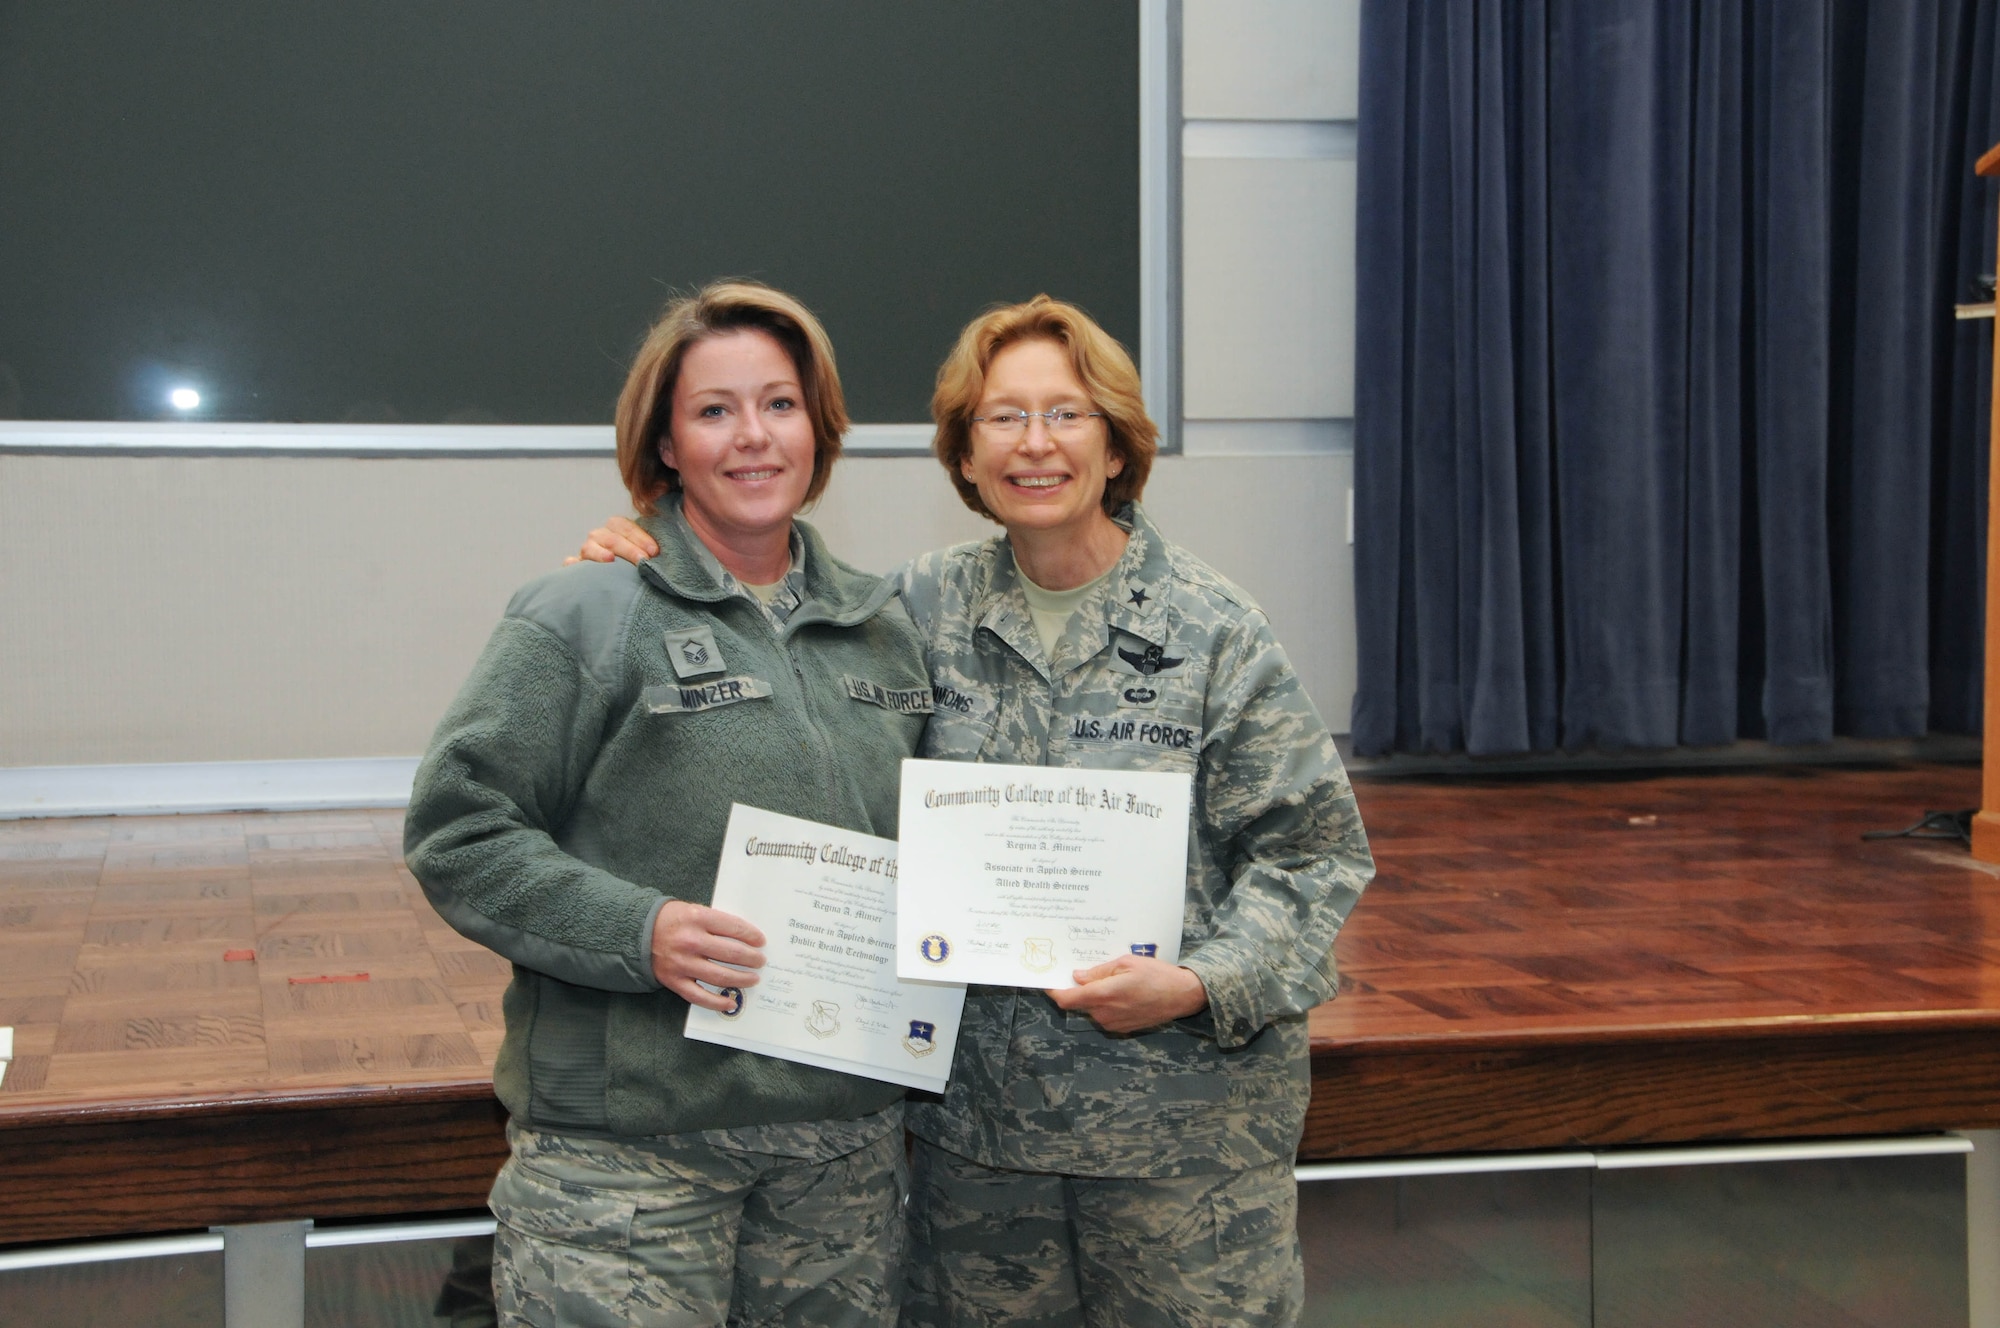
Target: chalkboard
x=418, y=211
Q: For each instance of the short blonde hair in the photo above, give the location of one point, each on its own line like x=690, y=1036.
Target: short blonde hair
x=1101, y=364
x=645, y=406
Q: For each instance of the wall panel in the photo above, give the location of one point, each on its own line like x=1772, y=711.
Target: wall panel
x=272, y=608
x=1271, y=59
x=1269, y=297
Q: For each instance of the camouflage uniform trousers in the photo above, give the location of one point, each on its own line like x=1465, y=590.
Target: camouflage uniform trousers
x=1035, y=1250
x=677, y=1231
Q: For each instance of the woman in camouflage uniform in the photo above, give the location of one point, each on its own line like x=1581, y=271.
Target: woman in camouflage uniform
x=1121, y=1151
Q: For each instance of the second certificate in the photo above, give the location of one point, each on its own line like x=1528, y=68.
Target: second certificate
x=1020, y=875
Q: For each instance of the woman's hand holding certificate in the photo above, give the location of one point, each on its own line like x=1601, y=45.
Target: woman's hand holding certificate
x=828, y=993
x=1021, y=875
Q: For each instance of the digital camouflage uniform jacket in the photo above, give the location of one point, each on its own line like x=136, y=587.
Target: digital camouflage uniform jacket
x=1168, y=667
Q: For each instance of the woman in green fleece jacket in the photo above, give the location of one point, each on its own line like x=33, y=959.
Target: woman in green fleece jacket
x=570, y=814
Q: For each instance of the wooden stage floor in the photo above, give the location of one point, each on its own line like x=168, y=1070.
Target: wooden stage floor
x=234, y=1018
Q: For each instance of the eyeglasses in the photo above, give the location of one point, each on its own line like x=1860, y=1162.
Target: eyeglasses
x=1062, y=422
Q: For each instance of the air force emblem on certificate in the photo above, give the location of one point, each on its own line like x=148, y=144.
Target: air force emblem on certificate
x=934, y=948
x=1146, y=949
x=1038, y=954
x=693, y=652
x=921, y=1040
x=824, y=1021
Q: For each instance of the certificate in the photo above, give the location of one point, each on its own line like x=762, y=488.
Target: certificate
x=1019, y=875
x=828, y=994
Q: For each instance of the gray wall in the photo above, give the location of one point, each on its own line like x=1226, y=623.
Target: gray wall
x=174, y=609
x=271, y=608
x=1269, y=93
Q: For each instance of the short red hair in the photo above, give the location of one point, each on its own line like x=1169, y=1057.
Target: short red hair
x=1101, y=364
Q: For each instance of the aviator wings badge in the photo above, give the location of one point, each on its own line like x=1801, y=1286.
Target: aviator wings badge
x=1155, y=660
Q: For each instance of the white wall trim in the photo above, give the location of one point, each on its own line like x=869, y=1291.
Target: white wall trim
x=1819, y=1151
x=174, y=1247
x=197, y=438
x=1160, y=215
x=1824, y=1150
x=1399, y=1168
x=204, y=786
x=1311, y=140
x=394, y=1233
x=1245, y=438
x=158, y=1247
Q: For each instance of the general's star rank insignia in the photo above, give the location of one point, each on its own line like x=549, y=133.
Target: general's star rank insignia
x=1139, y=596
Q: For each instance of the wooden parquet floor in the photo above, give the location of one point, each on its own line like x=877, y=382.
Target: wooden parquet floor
x=1618, y=907
x=215, y=956
x=212, y=957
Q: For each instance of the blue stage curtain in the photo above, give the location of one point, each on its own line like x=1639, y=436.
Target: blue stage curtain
x=1664, y=431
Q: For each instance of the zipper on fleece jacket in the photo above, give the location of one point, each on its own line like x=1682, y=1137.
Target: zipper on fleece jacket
x=785, y=636
x=809, y=708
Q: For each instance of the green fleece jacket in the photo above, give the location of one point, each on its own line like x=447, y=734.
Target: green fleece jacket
x=583, y=777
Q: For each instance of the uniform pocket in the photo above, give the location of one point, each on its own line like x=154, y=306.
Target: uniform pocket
x=1256, y=1210
x=562, y=1250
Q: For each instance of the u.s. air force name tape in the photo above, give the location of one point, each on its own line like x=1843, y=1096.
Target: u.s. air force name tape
x=904, y=701
x=1137, y=731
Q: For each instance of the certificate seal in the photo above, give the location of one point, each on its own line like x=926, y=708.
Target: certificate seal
x=734, y=995
x=921, y=1040
x=824, y=1021
x=934, y=948
x=1038, y=954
